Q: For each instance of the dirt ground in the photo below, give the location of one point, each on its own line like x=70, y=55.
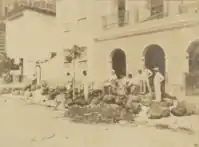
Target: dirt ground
x=25, y=125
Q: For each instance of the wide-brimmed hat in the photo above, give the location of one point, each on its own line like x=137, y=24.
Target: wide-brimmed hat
x=156, y=69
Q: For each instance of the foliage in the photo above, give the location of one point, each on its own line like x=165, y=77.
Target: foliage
x=7, y=64
x=74, y=53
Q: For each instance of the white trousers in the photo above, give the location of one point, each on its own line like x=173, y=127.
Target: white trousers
x=158, y=94
x=86, y=92
x=145, y=84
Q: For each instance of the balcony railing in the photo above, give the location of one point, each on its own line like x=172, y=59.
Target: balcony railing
x=115, y=20
x=50, y=5
x=159, y=15
x=123, y=19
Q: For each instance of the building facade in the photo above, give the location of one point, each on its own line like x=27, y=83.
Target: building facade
x=31, y=34
x=124, y=35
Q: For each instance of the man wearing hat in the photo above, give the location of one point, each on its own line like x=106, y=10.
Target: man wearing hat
x=146, y=74
x=157, y=81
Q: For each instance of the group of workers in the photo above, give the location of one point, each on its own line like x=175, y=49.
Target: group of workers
x=140, y=84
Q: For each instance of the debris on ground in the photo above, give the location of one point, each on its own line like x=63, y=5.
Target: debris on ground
x=101, y=107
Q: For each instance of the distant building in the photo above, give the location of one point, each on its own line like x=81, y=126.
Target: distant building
x=31, y=34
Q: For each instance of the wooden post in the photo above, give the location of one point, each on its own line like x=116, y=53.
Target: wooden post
x=73, y=79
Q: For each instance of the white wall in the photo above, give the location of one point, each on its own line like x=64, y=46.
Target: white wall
x=32, y=37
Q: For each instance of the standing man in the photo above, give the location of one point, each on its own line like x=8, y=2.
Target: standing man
x=86, y=84
x=34, y=79
x=146, y=74
x=136, y=83
x=158, y=79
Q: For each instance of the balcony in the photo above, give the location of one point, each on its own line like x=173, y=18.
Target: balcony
x=127, y=18
x=115, y=20
x=142, y=15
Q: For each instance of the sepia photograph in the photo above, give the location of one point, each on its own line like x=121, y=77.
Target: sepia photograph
x=99, y=73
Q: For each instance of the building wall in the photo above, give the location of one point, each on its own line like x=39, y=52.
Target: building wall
x=173, y=37
x=33, y=37
x=173, y=33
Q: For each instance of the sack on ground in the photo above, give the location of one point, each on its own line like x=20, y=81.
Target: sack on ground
x=146, y=102
x=135, y=108
x=177, y=111
x=156, y=111
x=44, y=90
x=109, y=99
x=133, y=98
x=167, y=103
x=184, y=109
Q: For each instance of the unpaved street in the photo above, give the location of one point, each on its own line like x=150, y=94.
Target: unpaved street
x=24, y=125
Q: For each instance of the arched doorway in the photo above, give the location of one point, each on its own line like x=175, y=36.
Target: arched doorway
x=155, y=57
x=119, y=62
x=192, y=78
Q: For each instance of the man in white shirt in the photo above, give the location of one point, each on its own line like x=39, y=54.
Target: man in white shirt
x=158, y=79
x=34, y=79
x=146, y=74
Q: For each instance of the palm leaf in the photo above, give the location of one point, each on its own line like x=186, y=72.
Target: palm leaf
x=75, y=52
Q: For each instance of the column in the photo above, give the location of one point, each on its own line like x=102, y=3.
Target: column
x=185, y=71
x=167, y=86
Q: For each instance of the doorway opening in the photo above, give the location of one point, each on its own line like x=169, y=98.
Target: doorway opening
x=192, y=82
x=119, y=62
x=155, y=57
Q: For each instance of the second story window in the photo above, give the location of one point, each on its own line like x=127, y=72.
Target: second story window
x=6, y=10
x=156, y=7
x=121, y=12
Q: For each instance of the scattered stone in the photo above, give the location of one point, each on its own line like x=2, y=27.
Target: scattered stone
x=167, y=102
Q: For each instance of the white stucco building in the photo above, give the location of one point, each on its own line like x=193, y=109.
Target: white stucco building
x=126, y=34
